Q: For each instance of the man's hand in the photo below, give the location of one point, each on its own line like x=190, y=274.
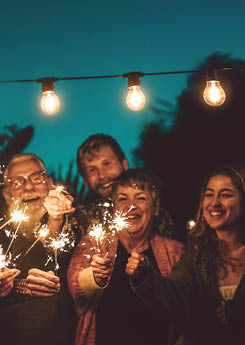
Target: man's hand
x=137, y=266
x=57, y=204
x=102, y=269
x=7, y=280
x=42, y=283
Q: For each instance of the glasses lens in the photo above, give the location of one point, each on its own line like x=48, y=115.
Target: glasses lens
x=18, y=182
x=37, y=177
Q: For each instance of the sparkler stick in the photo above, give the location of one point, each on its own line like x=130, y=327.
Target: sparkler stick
x=42, y=234
x=6, y=223
x=22, y=217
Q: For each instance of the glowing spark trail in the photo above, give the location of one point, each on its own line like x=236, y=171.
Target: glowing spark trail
x=97, y=233
x=22, y=217
x=61, y=189
x=119, y=221
x=44, y=231
x=16, y=216
x=4, y=262
x=59, y=244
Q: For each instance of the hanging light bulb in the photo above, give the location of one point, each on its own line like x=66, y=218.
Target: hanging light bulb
x=213, y=94
x=135, y=98
x=50, y=102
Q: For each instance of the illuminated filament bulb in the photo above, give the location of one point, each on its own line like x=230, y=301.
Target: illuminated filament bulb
x=135, y=99
x=213, y=94
x=50, y=102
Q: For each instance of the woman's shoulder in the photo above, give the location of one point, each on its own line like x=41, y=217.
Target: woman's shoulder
x=164, y=247
x=167, y=242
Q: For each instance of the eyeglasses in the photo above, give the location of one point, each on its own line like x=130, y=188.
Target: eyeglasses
x=35, y=178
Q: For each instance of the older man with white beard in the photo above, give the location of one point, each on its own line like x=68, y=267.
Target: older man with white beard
x=33, y=308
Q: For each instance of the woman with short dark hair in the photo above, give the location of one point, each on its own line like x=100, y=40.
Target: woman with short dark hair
x=108, y=311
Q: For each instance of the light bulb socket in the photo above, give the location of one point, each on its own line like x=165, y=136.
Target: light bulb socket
x=47, y=83
x=212, y=74
x=133, y=78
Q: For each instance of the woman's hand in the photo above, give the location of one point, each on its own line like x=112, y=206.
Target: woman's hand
x=137, y=266
x=42, y=283
x=7, y=280
x=102, y=269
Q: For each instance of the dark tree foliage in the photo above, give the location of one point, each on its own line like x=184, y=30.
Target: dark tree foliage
x=202, y=138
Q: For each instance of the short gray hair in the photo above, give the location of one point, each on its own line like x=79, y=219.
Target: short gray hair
x=19, y=158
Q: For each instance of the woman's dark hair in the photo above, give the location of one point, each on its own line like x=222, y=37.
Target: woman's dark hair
x=140, y=179
x=209, y=251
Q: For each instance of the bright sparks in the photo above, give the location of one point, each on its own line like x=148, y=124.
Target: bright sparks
x=18, y=215
x=119, y=221
x=97, y=233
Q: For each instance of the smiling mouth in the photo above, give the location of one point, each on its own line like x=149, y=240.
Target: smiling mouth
x=216, y=213
x=133, y=216
x=106, y=185
x=31, y=200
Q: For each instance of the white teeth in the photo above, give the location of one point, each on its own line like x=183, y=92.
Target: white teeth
x=106, y=185
x=217, y=213
x=133, y=217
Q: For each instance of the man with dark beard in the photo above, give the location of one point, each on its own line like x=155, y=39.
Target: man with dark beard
x=35, y=307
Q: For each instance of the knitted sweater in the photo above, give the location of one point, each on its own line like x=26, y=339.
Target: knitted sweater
x=86, y=293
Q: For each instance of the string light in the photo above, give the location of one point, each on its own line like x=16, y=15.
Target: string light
x=50, y=102
x=213, y=94
x=135, y=99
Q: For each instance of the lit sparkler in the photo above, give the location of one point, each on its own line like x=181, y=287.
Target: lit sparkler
x=22, y=217
x=4, y=260
x=61, y=189
x=43, y=232
x=119, y=221
x=60, y=243
x=16, y=216
x=97, y=233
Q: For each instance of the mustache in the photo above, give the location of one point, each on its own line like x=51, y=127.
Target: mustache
x=27, y=196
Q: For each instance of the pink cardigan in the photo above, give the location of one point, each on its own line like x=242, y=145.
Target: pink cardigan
x=86, y=293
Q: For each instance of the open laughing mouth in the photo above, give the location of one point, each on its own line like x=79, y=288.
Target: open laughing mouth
x=31, y=200
x=133, y=216
x=106, y=185
x=216, y=213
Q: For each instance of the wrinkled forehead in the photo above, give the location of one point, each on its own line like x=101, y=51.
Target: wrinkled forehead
x=24, y=168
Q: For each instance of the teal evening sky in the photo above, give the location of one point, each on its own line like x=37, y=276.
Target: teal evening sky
x=89, y=38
